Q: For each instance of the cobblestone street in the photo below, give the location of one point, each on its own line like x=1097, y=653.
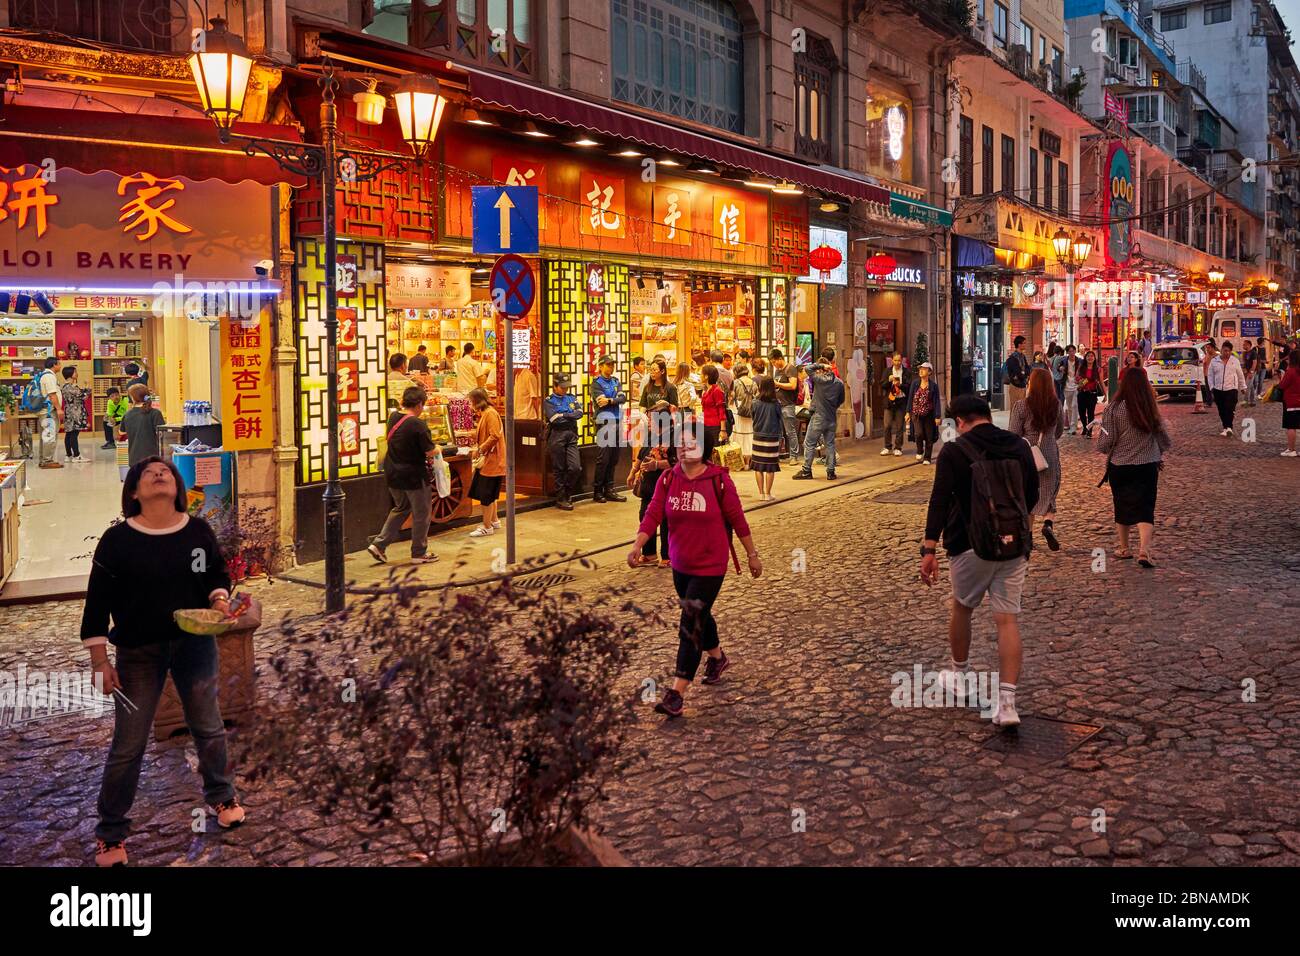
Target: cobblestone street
x=1190, y=671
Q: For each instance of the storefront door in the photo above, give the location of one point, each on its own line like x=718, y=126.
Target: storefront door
x=987, y=363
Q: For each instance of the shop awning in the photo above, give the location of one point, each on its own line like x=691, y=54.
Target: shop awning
x=909, y=208
x=491, y=90
x=93, y=140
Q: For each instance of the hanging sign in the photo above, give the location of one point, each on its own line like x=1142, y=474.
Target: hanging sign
x=1221, y=298
x=1118, y=206
x=1170, y=297
x=246, y=383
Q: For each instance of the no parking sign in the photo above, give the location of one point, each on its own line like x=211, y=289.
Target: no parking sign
x=513, y=286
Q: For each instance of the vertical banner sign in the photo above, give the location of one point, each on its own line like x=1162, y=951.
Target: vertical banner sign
x=1118, y=206
x=246, y=421
x=597, y=325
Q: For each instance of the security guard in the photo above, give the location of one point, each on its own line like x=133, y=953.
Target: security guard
x=563, y=412
x=606, y=398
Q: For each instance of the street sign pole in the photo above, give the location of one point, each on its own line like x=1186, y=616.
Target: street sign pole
x=510, y=439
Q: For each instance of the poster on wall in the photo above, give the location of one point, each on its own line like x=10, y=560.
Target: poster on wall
x=861, y=329
x=882, y=335
x=246, y=383
x=1118, y=206
x=209, y=480
x=837, y=239
x=803, y=348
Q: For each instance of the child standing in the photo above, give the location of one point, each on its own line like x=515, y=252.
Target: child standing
x=74, y=414
x=114, y=411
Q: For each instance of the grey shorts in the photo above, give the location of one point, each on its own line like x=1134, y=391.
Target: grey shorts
x=1002, y=581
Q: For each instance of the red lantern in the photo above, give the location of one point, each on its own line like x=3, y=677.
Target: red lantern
x=881, y=266
x=825, y=259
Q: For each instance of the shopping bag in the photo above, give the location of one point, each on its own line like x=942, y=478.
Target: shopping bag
x=1274, y=393
x=729, y=456
x=441, y=476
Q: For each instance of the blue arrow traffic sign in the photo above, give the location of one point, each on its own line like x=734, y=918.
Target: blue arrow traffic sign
x=512, y=286
x=505, y=219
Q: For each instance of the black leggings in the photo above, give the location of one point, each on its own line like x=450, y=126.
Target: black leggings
x=1087, y=409
x=109, y=438
x=1226, y=402
x=698, y=631
x=71, y=446
x=648, y=549
x=925, y=431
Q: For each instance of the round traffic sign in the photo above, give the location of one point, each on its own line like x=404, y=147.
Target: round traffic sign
x=513, y=286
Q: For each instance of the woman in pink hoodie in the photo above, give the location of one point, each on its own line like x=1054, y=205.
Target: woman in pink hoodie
x=699, y=502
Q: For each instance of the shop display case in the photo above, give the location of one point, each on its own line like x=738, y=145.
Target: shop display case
x=13, y=479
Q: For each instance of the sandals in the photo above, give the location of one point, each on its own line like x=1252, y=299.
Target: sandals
x=1144, y=560
x=1123, y=554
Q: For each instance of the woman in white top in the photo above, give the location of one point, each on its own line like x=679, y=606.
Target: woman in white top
x=743, y=392
x=688, y=399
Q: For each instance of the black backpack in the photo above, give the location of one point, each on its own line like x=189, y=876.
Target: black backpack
x=998, y=527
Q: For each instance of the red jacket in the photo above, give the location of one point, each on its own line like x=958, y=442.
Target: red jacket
x=714, y=404
x=697, y=532
x=1290, y=384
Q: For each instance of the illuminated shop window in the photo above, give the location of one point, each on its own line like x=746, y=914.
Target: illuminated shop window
x=889, y=132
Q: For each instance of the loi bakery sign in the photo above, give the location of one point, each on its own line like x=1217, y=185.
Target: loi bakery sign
x=109, y=231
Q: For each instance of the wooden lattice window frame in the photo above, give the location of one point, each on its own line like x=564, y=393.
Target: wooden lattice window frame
x=436, y=26
x=814, y=80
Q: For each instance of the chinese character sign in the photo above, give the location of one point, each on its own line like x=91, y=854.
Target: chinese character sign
x=518, y=171
x=605, y=208
x=672, y=211
x=25, y=195
x=246, y=419
x=728, y=223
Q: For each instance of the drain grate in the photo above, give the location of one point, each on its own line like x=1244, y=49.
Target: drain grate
x=542, y=582
x=1041, y=740
x=917, y=493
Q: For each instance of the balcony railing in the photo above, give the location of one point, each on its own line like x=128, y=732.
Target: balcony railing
x=1190, y=75
x=161, y=26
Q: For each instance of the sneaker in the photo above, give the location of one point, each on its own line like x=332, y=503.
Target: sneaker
x=229, y=814
x=1050, y=537
x=110, y=854
x=1004, y=714
x=377, y=553
x=564, y=504
x=884, y=451
x=482, y=532
x=926, y=461
x=423, y=558
x=1226, y=433
x=801, y=475
x=953, y=685
x=831, y=475
x=496, y=525
x=671, y=705
x=1291, y=454
x=108, y=447
x=898, y=452
x=919, y=457
x=665, y=563
x=713, y=668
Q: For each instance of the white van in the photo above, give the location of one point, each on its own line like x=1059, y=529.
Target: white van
x=1175, y=368
x=1238, y=324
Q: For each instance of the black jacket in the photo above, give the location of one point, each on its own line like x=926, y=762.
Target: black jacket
x=901, y=400
x=950, y=498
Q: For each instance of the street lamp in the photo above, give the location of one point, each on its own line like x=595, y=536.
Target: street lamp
x=1072, y=253
x=1216, y=276
x=1273, y=286
x=222, y=68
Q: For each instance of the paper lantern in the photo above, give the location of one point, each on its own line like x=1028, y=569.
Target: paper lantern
x=880, y=266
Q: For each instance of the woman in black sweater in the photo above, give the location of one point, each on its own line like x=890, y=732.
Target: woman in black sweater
x=159, y=560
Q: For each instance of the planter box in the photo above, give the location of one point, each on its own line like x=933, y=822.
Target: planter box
x=236, y=689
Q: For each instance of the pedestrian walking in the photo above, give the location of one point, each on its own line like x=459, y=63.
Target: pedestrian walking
x=1092, y=386
x=489, y=453
x=656, y=457
x=1016, y=371
x=1290, y=388
x=713, y=403
x=159, y=560
x=406, y=472
x=659, y=398
x=699, y=503
x=1208, y=351
x=688, y=399
x=1071, y=369
x=786, y=378
x=985, y=486
x=608, y=399
x=894, y=389
x=563, y=412
x=741, y=402
x=1227, y=381
x=827, y=397
x=924, y=410
x=51, y=413
x=768, y=427
x=1145, y=345
x=1037, y=419
x=1056, y=360
x=636, y=417
x=1253, y=365
x=1134, y=439
x=74, y=414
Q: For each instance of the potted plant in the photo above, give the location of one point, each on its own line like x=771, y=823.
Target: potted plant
x=8, y=401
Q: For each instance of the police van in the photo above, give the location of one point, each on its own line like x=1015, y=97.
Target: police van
x=1174, y=368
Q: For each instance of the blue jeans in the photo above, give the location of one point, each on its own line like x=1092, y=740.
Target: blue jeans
x=142, y=671
x=790, y=423
x=1254, y=385
x=819, y=430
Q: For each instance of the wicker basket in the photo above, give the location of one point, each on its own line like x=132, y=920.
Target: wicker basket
x=235, y=686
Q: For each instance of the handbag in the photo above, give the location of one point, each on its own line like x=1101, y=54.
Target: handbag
x=1040, y=460
x=728, y=456
x=1274, y=393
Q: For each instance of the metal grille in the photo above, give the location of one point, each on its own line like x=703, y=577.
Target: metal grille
x=158, y=25
x=543, y=582
x=1041, y=740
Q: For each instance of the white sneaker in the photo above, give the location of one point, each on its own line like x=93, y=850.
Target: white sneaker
x=898, y=452
x=920, y=457
x=953, y=686
x=496, y=525
x=1226, y=433
x=925, y=461
x=884, y=451
x=1291, y=454
x=1004, y=714
x=482, y=532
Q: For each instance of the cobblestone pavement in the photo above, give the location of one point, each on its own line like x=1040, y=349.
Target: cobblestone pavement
x=799, y=756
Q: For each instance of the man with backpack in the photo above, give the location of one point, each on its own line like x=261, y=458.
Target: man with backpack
x=985, y=486
x=43, y=395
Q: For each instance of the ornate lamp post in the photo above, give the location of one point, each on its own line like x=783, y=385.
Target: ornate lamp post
x=1071, y=252
x=1216, y=276
x=222, y=67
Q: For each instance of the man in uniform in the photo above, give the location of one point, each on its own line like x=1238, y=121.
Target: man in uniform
x=606, y=398
x=562, y=413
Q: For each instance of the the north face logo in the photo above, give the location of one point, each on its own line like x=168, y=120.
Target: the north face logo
x=688, y=501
